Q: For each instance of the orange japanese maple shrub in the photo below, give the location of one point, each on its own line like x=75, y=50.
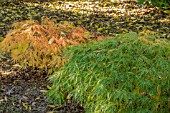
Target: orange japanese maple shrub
x=32, y=44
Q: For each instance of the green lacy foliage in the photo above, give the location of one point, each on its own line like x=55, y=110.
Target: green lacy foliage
x=128, y=73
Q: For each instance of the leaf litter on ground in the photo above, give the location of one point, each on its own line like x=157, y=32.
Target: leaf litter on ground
x=102, y=18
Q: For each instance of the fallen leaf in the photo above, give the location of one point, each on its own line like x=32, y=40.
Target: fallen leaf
x=25, y=105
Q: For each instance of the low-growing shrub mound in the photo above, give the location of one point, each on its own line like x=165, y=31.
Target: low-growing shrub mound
x=41, y=45
x=129, y=73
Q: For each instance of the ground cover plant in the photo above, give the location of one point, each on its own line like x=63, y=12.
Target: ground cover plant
x=128, y=73
x=40, y=45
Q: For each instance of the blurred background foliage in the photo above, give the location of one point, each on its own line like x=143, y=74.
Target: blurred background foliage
x=160, y=3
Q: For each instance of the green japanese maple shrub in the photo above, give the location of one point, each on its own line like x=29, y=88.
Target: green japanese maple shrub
x=129, y=73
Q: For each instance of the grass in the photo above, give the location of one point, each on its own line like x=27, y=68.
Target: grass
x=128, y=73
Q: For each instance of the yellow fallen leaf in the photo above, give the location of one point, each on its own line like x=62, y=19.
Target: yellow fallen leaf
x=50, y=112
x=25, y=106
x=5, y=98
x=38, y=98
x=30, y=108
x=116, y=16
x=48, y=87
x=16, y=65
x=43, y=91
x=167, y=11
x=51, y=106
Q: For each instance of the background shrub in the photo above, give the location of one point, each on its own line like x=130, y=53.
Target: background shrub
x=128, y=73
x=159, y=3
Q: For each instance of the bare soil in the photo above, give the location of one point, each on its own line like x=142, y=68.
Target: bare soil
x=23, y=91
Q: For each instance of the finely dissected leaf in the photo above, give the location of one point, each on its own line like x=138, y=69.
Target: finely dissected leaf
x=51, y=40
x=19, y=47
x=25, y=47
x=131, y=35
x=15, y=52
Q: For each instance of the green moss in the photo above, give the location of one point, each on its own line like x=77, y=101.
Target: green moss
x=128, y=73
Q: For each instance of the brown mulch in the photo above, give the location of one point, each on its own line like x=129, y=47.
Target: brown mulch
x=23, y=91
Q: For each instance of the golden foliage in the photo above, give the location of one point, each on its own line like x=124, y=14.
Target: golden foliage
x=41, y=45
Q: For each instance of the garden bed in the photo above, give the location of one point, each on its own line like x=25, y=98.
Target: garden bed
x=23, y=91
